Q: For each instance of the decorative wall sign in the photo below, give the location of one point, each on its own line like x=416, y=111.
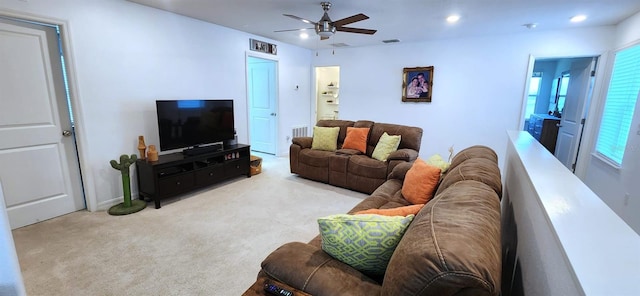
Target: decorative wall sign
x=261, y=46
x=416, y=84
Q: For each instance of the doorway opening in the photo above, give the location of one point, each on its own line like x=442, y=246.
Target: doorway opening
x=262, y=98
x=327, y=92
x=557, y=104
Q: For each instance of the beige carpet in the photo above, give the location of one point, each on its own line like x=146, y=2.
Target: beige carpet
x=210, y=242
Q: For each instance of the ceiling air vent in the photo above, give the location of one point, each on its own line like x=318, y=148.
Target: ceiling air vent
x=339, y=44
x=391, y=41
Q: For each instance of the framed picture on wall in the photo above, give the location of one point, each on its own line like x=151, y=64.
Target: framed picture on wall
x=417, y=84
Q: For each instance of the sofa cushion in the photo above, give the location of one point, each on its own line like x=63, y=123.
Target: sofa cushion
x=479, y=169
x=399, y=211
x=411, y=135
x=365, y=242
x=452, y=247
x=420, y=182
x=477, y=151
x=362, y=165
x=437, y=161
x=342, y=124
x=386, y=145
x=315, y=158
x=325, y=138
x=356, y=139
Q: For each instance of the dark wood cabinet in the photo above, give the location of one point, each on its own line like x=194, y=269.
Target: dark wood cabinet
x=176, y=173
x=544, y=128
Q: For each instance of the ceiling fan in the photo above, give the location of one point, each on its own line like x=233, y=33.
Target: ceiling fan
x=325, y=27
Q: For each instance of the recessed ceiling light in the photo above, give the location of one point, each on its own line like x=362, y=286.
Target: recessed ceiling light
x=578, y=18
x=304, y=35
x=453, y=18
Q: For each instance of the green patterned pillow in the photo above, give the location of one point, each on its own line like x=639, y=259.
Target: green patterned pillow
x=366, y=242
x=325, y=138
x=386, y=145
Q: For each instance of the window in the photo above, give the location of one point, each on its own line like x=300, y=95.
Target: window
x=620, y=102
x=534, y=89
x=561, y=95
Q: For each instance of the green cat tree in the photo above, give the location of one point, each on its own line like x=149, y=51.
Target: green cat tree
x=128, y=206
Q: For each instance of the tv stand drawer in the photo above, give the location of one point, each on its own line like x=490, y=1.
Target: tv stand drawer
x=173, y=185
x=236, y=167
x=209, y=175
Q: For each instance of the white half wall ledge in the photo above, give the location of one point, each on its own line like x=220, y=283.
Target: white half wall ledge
x=569, y=242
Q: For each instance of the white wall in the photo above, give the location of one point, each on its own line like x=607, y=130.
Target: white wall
x=619, y=188
x=478, y=83
x=126, y=56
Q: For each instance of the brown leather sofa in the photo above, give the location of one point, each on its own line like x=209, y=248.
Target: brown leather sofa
x=452, y=246
x=350, y=168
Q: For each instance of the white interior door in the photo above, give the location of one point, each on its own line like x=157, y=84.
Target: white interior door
x=578, y=92
x=39, y=168
x=262, y=90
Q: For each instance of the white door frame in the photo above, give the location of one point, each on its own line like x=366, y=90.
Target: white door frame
x=88, y=184
x=588, y=136
x=277, y=84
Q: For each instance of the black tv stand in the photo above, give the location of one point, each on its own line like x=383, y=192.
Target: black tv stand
x=179, y=173
x=197, y=150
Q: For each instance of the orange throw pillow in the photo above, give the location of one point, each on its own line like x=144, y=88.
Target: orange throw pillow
x=356, y=139
x=399, y=211
x=420, y=182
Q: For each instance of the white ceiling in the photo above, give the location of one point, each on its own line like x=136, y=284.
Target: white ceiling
x=408, y=21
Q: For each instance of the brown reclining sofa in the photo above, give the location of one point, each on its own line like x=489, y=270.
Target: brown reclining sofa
x=452, y=246
x=350, y=168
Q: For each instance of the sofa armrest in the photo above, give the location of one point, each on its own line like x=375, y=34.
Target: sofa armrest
x=400, y=170
x=308, y=268
x=303, y=142
x=403, y=154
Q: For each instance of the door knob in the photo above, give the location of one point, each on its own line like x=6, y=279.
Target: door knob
x=66, y=133
x=273, y=114
x=558, y=125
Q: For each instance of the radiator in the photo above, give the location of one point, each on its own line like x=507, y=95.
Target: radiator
x=299, y=131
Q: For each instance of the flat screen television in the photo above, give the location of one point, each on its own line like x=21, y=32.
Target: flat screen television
x=194, y=123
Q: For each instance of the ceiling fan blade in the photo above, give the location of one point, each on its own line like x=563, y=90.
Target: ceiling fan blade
x=352, y=19
x=356, y=30
x=300, y=19
x=290, y=30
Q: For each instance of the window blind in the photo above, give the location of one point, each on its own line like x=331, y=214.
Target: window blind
x=620, y=103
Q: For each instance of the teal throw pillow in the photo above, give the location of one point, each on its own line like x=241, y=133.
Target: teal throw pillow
x=325, y=138
x=386, y=145
x=366, y=242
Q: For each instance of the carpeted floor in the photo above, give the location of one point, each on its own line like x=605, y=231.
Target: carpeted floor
x=210, y=242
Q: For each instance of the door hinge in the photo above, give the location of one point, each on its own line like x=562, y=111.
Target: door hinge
x=583, y=121
x=593, y=73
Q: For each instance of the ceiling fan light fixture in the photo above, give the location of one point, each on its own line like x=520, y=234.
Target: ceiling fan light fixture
x=578, y=18
x=325, y=29
x=453, y=18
